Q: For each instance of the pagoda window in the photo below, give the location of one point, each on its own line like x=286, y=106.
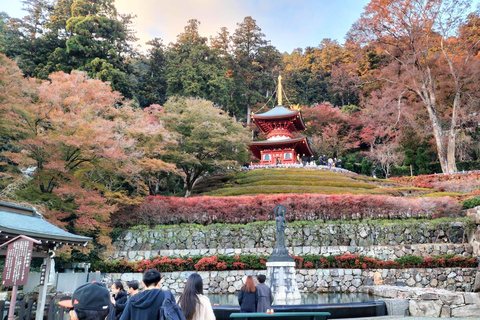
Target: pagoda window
x=266, y=157
x=287, y=155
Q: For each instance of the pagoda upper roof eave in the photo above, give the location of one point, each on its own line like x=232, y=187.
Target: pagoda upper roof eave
x=276, y=113
x=298, y=122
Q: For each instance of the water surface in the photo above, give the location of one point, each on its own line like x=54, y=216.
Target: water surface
x=306, y=298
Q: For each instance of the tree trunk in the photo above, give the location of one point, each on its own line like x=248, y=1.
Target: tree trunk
x=451, y=164
x=249, y=112
x=429, y=99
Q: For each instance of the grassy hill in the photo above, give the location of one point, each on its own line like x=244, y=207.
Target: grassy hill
x=270, y=181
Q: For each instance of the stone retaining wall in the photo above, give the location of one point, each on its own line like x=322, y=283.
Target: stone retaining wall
x=298, y=234
x=326, y=280
x=381, y=252
x=428, y=302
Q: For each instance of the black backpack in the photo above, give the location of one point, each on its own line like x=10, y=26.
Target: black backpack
x=170, y=310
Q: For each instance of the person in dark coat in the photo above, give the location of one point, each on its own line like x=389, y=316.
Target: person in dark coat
x=133, y=289
x=145, y=305
x=265, y=296
x=89, y=301
x=248, y=296
x=118, y=299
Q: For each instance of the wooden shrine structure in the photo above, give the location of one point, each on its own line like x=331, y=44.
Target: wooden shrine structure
x=26, y=223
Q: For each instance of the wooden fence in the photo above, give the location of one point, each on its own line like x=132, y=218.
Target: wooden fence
x=25, y=310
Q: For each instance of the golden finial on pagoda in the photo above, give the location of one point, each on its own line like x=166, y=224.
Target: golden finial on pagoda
x=279, y=90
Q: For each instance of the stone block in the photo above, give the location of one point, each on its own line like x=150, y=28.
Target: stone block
x=429, y=296
x=452, y=299
x=446, y=312
x=476, y=285
x=421, y=308
x=469, y=310
x=377, y=278
x=470, y=298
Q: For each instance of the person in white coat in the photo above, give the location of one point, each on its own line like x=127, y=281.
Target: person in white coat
x=194, y=304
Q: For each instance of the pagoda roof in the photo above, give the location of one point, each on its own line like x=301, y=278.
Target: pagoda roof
x=280, y=112
x=301, y=145
x=18, y=220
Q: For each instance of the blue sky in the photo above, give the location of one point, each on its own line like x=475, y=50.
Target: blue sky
x=288, y=24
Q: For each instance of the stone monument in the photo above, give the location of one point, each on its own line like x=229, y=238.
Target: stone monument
x=281, y=275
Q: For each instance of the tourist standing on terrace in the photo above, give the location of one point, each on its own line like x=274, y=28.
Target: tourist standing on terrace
x=133, y=289
x=248, y=296
x=146, y=304
x=265, y=296
x=119, y=298
x=194, y=304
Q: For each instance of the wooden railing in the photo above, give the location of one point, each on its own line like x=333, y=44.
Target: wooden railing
x=25, y=310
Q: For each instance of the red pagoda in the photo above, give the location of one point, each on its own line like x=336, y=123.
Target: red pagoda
x=279, y=124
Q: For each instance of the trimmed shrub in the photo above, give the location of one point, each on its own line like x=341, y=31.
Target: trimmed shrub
x=249, y=262
x=471, y=203
x=244, y=209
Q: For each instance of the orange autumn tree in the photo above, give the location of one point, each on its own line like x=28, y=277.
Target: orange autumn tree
x=432, y=46
x=80, y=144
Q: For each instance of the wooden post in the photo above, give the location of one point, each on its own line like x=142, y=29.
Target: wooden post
x=42, y=296
x=13, y=300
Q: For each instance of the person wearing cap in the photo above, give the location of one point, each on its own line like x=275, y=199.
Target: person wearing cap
x=146, y=304
x=90, y=301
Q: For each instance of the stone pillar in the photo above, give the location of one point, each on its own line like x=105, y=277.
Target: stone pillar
x=281, y=278
x=474, y=240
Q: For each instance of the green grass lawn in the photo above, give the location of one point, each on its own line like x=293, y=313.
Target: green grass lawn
x=270, y=181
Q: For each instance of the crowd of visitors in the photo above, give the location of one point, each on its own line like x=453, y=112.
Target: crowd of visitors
x=93, y=301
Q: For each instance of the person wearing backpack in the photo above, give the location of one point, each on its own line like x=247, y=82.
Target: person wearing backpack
x=152, y=303
x=194, y=304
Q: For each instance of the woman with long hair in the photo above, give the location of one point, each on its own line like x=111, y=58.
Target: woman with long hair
x=194, y=304
x=248, y=296
x=119, y=298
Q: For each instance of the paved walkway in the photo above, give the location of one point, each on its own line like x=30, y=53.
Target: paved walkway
x=405, y=318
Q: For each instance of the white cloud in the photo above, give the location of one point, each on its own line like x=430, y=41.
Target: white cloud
x=166, y=19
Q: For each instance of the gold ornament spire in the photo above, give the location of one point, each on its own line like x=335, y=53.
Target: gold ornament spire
x=279, y=90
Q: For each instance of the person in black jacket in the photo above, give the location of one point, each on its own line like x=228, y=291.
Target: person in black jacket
x=118, y=299
x=89, y=301
x=248, y=296
x=146, y=304
x=133, y=289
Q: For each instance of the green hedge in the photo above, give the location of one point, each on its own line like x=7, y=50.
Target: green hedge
x=471, y=203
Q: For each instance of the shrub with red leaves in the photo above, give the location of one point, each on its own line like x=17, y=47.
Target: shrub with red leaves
x=300, y=207
x=344, y=261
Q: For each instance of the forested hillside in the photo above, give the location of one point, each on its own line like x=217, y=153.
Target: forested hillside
x=90, y=125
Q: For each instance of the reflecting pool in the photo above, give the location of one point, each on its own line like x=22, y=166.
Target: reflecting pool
x=306, y=298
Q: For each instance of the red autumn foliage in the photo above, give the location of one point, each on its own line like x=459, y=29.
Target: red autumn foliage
x=344, y=261
x=443, y=182
x=300, y=207
x=210, y=264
